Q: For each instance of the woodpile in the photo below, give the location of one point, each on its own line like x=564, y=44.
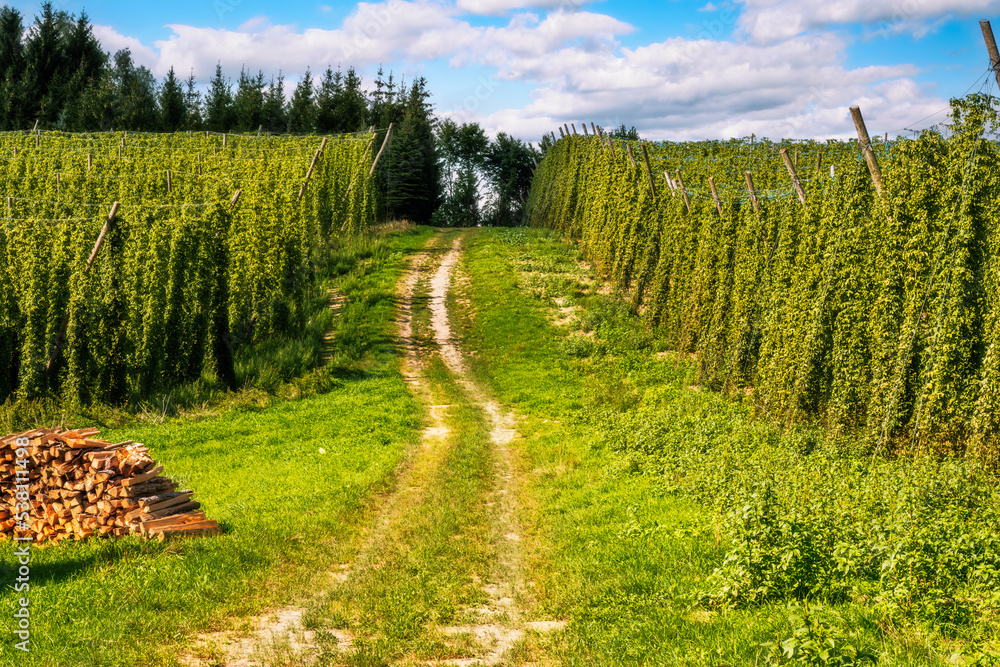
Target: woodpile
x=57, y=484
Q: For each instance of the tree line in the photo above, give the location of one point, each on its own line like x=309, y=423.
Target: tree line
x=56, y=75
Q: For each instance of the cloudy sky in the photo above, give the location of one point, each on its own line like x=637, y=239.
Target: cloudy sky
x=676, y=70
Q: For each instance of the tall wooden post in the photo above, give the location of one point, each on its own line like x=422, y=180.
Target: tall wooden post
x=866, y=146
x=584, y=125
x=753, y=193
x=715, y=194
x=649, y=172
x=795, y=177
x=574, y=127
x=991, y=47
x=684, y=193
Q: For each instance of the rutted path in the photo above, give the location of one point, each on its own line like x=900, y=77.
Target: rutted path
x=435, y=577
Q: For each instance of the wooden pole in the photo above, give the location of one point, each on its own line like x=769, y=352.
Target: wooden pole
x=585, y=133
x=90, y=159
x=593, y=128
x=628, y=147
x=224, y=135
x=9, y=203
x=991, y=47
x=715, y=194
x=649, y=172
x=866, y=146
x=670, y=184
x=169, y=185
x=50, y=362
x=753, y=193
x=385, y=142
x=833, y=171
x=684, y=193
x=236, y=197
x=795, y=178
x=561, y=135
x=35, y=128
x=199, y=164
x=58, y=182
x=567, y=129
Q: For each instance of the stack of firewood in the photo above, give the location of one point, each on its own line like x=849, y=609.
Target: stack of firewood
x=77, y=486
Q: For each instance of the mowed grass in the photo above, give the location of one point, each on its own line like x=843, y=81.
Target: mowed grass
x=622, y=553
x=290, y=484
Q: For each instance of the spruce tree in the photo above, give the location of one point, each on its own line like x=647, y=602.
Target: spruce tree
x=193, y=117
x=219, y=103
x=275, y=107
x=248, y=106
x=302, y=111
x=172, y=106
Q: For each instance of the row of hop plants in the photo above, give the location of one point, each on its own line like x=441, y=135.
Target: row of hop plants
x=184, y=273
x=871, y=314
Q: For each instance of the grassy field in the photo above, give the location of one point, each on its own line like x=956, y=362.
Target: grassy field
x=664, y=523
x=682, y=530
x=291, y=484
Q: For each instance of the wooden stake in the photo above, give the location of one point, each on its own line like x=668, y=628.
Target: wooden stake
x=649, y=172
x=199, y=164
x=585, y=133
x=259, y=128
x=593, y=129
x=796, y=161
x=90, y=159
x=670, y=184
x=224, y=135
x=574, y=128
x=58, y=182
x=753, y=193
x=35, y=128
x=561, y=135
x=866, y=146
x=9, y=206
x=567, y=129
x=715, y=194
x=628, y=147
x=833, y=171
x=795, y=178
x=991, y=48
x=50, y=362
x=169, y=185
x=684, y=193
x=236, y=197
x=385, y=142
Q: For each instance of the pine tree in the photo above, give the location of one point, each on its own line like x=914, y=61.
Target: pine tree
x=172, y=106
x=412, y=175
x=302, y=111
x=11, y=68
x=135, y=106
x=219, y=103
x=327, y=96
x=248, y=106
x=192, y=105
x=275, y=107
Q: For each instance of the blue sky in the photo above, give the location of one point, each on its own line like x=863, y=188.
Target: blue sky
x=676, y=70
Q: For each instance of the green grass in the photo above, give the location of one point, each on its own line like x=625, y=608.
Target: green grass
x=291, y=484
x=674, y=528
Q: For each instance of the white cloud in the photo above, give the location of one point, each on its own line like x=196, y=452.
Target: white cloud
x=680, y=89
x=775, y=20
x=502, y=7
x=787, y=86
x=112, y=41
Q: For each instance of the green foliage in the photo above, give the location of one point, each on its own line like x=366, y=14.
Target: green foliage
x=873, y=314
x=183, y=276
x=814, y=641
